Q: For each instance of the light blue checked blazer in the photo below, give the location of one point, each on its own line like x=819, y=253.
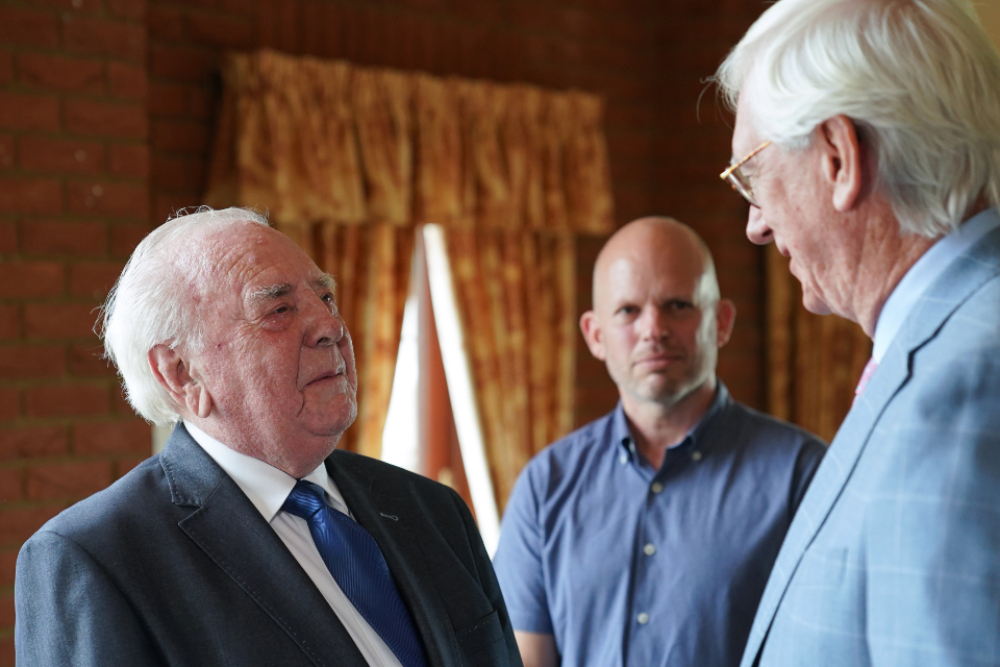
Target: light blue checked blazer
x=893, y=558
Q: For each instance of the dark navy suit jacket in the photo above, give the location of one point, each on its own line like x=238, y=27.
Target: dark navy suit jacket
x=173, y=565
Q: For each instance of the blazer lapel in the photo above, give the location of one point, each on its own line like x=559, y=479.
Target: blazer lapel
x=230, y=530
x=959, y=281
x=386, y=518
x=826, y=486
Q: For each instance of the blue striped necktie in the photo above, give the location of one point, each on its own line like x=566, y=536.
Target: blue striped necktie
x=357, y=565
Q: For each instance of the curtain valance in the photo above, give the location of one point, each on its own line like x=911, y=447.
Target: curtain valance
x=328, y=141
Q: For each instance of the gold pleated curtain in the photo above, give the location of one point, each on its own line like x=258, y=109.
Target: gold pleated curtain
x=814, y=362
x=517, y=299
x=350, y=160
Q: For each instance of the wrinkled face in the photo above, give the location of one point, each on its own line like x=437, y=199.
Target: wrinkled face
x=796, y=213
x=277, y=358
x=655, y=333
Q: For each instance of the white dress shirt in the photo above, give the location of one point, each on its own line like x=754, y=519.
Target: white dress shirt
x=926, y=270
x=267, y=488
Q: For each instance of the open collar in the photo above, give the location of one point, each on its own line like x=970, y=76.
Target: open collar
x=626, y=450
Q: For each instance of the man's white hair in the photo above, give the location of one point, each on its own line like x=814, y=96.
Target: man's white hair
x=152, y=303
x=919, y=78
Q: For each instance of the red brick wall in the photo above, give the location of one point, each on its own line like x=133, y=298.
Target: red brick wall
x=106, y=116
x=73, y=202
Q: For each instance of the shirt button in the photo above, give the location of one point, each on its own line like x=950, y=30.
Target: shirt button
x=696, y=456
x=649, y=550
x=656, y=487
x=643, y=618
x=624, y=459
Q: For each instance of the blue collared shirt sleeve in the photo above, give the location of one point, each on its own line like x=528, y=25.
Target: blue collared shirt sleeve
x=518, y=559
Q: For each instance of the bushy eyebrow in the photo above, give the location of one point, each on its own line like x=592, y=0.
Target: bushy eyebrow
x=269, y=293
x=273, y=292
x=327, y=282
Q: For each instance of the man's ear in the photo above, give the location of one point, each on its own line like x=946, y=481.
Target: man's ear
x=590, y=325
x=725, y=318
x=173, y=373
x=843, y=161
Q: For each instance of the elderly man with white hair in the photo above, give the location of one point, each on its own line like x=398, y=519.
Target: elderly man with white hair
x=250, y=540
x=867, y=142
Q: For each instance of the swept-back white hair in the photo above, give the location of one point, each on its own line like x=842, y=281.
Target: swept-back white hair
x=151, y=304
x=920, y=79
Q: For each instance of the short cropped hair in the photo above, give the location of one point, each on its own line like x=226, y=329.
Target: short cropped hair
x=919, y=78
x=151, y=304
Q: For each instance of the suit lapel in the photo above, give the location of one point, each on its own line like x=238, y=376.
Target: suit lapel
x=387, y=518
x=959, y=281
x=826, y=487
x=230, y=530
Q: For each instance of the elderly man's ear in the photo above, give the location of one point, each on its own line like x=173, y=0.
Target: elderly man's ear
x=173, y=372
x=843, y=161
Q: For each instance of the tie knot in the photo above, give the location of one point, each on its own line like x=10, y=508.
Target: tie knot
x=305, y=500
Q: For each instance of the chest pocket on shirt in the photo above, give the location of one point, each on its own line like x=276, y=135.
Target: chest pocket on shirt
x=483, y=643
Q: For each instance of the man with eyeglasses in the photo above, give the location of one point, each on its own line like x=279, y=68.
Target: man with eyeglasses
x=645, y=538
x=870, y=140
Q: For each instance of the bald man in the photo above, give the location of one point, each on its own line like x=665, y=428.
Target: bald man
x=646, y=537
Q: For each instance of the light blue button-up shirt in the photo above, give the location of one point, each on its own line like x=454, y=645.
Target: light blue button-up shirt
x=627, y=565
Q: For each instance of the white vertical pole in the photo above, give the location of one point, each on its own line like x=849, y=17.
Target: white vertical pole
x=458, y=373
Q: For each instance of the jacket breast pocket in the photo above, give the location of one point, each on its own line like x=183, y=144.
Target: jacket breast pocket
x=483, y=643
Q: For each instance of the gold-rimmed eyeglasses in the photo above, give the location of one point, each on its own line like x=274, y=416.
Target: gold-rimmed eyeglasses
x=736, y=178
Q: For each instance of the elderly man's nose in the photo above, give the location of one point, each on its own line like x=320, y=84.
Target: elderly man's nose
x=325, y=327
x=332, y=335
x=757, y=230
x=329, y=330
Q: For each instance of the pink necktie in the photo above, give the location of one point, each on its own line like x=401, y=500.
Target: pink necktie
x=865, y=376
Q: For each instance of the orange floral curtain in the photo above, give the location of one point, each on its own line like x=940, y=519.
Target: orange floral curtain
x=350, y=160
x=814, y=362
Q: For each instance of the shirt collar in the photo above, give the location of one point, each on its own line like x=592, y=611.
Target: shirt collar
x=265, y=486
x=621, y=434
x=924, y=272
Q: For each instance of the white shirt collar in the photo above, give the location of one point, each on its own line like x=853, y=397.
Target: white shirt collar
x=926, y=270
x=265, y=486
